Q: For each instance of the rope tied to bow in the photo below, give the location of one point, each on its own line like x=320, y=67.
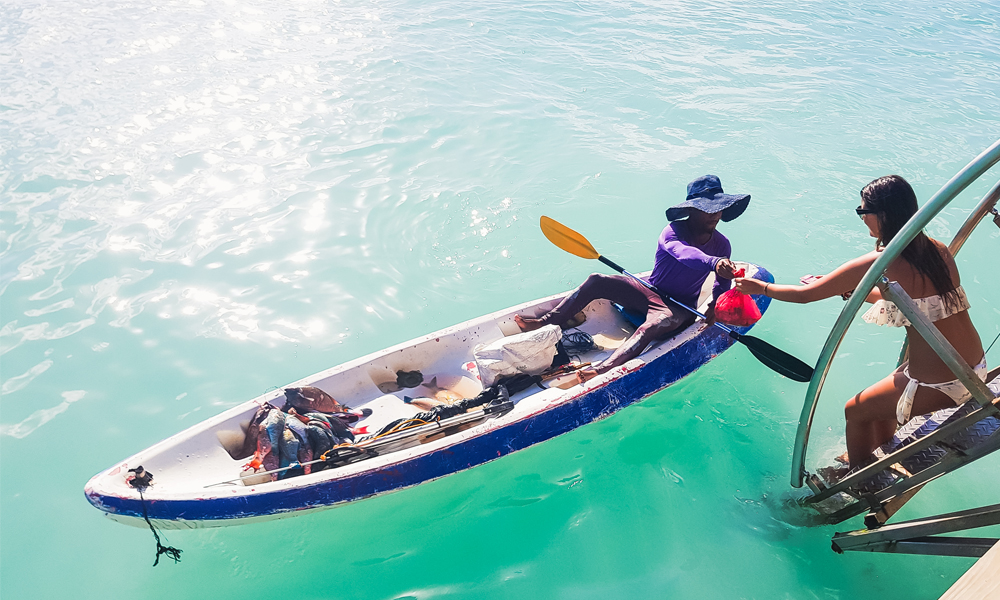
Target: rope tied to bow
x=141, y=479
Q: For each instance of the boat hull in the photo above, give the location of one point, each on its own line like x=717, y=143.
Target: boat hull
x=595, y=400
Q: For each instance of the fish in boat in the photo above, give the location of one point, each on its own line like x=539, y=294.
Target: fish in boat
x=199, y=473
x=311, y=399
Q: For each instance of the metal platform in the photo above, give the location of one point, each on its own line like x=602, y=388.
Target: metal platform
x=912, y=458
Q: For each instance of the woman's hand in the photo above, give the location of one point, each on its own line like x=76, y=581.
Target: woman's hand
x=748, y=285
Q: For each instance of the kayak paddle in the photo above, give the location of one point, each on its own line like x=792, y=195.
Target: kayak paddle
x=777, y=360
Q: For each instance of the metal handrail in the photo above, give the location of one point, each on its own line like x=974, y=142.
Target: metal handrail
x=975, y=169
x=988, y=202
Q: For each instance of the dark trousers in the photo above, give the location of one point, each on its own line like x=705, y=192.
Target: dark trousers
x=661, y=319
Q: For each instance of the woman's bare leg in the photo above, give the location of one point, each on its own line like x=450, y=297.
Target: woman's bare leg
x=871, y=415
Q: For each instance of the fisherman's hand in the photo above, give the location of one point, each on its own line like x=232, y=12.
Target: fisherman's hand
x=847, y=295
x=725, y=268
x=710, y=315
x=748, y=285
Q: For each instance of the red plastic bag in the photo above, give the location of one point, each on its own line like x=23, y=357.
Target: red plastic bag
x=736, y=308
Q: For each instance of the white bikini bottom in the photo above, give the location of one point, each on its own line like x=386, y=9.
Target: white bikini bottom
x=954, y=389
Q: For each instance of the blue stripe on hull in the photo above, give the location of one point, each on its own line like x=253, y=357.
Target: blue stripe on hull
x=560, y=419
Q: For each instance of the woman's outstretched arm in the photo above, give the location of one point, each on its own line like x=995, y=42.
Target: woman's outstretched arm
x=843, y=279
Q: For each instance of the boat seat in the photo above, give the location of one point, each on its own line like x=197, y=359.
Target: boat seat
x=634, y=318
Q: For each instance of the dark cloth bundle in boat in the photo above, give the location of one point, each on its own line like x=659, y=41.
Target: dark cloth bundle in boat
x=322, y=433
x=497, y=393
x=310, y=423
x=283, y=438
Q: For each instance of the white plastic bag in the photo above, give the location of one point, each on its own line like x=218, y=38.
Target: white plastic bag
x=530, y=352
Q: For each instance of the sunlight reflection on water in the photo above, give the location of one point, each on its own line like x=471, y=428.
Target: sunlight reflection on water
x=203, y=201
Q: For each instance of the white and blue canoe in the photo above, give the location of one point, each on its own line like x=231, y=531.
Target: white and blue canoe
x=198, y=482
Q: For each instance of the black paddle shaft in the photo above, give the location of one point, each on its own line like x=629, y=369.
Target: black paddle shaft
x=777, y=360
x=654, y=289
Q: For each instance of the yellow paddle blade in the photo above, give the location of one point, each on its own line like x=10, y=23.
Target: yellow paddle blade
x=567, y=239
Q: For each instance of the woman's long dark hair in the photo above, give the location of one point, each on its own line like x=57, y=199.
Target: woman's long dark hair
x=894, y=202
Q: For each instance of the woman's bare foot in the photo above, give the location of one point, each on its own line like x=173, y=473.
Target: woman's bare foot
x=527, y=324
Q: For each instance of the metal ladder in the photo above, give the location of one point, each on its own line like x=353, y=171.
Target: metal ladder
x=959, y=435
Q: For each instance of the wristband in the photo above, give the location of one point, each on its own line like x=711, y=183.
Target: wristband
x=766, y=285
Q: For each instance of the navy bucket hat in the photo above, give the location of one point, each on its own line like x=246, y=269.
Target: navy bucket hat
x=705, y=194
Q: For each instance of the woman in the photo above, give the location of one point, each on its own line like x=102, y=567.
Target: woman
x=926, y=271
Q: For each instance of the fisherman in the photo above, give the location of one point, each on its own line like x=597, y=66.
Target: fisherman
x=689, y=249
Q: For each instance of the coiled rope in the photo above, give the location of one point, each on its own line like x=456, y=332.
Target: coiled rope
x=140, y=481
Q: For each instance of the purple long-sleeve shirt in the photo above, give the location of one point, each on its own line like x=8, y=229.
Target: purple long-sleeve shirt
x=680, y=268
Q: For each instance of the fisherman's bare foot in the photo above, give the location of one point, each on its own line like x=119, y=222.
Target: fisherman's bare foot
x=585, y=375
x=843, y=459
x=527, y=324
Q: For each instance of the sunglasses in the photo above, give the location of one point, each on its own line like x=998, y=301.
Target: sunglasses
x=864, y=211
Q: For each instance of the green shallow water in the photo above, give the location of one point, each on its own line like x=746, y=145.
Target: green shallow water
x=205, y=201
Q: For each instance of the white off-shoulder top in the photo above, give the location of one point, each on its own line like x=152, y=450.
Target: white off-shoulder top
x=886, y=313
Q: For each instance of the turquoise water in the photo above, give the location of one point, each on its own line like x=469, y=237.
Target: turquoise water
x=202, y=201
